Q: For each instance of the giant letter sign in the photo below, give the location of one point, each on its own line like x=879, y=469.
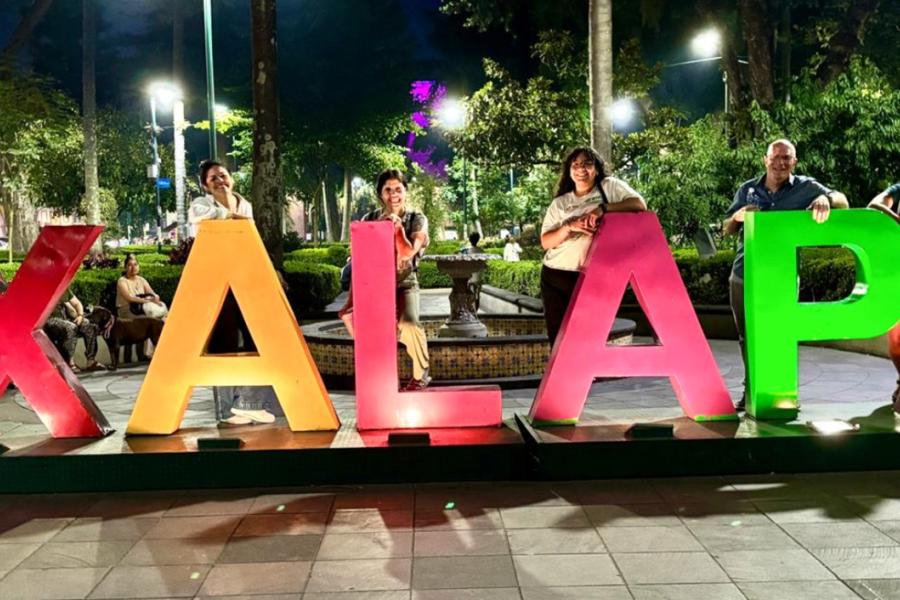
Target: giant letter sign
x=777, y=321
x=27, y=356
x=230, y=254
x=630, y=248
x=378, y=403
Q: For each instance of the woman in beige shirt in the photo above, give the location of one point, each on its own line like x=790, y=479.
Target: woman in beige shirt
x=134, y=296
x=584, y=194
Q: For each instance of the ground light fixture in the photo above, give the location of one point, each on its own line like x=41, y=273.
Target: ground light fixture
x=832, y=426
x=707, y=44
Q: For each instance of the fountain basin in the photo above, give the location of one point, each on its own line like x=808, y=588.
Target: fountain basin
x=513, y=354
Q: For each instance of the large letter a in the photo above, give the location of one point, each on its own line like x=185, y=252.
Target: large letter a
x=230, y=254
x=630, y=247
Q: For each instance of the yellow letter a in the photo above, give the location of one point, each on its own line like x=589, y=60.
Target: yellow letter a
x=230, y=254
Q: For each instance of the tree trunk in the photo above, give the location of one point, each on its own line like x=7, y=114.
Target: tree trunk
x=332, y=219
x=89, y=108
x=783, y=48
x=348, y=205
x=601, y=75
x=268, y=182
x=24, y=29
x=847, y=39
x=24, y=229
x=757, y=35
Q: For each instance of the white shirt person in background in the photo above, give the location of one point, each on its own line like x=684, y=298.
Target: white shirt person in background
x=511, y=250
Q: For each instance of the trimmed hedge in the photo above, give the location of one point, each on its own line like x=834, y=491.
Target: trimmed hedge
x=311, y=287
x=335, y=255
x=825, y=275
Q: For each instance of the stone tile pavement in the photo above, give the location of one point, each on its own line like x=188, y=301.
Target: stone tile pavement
x=821, y=537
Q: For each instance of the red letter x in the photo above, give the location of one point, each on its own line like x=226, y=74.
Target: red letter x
x=27, y=356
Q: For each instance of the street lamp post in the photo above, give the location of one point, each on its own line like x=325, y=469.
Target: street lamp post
x=210, y=77
x=154, y=171
x=451, y=115
x=708, y=46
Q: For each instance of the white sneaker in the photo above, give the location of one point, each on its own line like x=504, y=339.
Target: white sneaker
x=235, y=420
x=257, y=416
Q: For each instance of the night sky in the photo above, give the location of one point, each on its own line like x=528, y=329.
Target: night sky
x=339, y=60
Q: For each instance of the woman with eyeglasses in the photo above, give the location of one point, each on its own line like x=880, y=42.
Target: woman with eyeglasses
x=234, y=405
x=583, y=195
x=410, y=240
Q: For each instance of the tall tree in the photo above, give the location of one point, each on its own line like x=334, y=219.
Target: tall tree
x=601, y=75
x=89, y=113
x=268, y=183
x=758, y=36
x=26, y=26
x=846, y=40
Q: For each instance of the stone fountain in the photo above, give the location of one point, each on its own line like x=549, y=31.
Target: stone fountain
x=463, y=269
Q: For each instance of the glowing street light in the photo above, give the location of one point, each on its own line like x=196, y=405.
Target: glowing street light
x=164, y=93
x=707, y=44
x=221, y=112
x=451, y=114
x=622, y=112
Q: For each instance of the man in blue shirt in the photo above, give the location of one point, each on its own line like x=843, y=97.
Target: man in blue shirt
x=889, y=201
x=778, y=189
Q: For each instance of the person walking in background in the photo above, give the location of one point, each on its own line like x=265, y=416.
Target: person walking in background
x=777, y=189
x=889, y=201
x=512, y=250
x=583, y=195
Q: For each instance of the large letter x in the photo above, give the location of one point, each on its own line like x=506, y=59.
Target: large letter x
x=27, y=356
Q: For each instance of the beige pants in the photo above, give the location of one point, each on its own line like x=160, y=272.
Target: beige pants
x=410, y=331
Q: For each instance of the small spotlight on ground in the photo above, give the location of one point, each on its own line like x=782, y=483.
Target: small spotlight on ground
x=832, y=427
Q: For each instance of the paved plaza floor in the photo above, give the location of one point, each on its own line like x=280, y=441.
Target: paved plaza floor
x=787, y=537
x=819, y=537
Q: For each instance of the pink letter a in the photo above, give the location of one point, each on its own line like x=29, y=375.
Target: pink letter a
x=379, y=404
x=630, y=248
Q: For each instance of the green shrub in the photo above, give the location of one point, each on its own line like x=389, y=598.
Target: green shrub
x=825, y=275
x=337, y=255
x=8, y=270
x=523, y=277
x=136, y=250
x=311, y=287
x=430, y=277
x=308, y=255
x=443, y=247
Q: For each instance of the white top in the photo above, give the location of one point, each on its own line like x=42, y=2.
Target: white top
x=511, y=251
x=206, y=207
x=571, y=254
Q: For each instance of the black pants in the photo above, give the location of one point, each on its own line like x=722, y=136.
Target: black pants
x=557, y=287
x=736, y=297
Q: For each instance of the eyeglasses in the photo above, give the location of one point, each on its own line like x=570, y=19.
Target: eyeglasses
x=583, y=165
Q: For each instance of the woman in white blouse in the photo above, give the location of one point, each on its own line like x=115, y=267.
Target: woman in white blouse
x=234, y=405
x=220, y=201
x=583, y=195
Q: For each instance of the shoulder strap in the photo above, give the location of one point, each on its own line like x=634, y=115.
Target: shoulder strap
x=602, y=192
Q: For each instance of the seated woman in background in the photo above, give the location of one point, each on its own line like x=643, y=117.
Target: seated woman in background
x=134, y=296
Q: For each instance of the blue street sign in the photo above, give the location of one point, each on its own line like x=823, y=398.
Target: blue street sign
x=164, y=183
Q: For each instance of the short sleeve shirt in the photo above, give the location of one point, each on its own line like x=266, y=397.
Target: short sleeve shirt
x=894, y=193
x=413, y=222
x=797, y=193
x=571, y=254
